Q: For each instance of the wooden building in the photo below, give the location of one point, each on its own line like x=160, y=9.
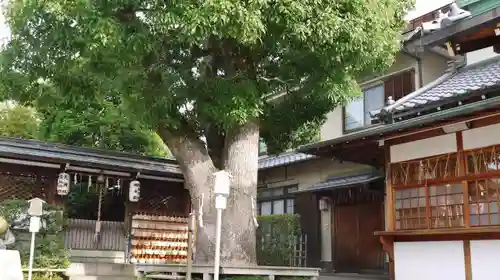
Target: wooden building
x=103, y=223
x=336, y=201
x=439, y=148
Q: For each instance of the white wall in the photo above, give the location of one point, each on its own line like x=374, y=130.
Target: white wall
x=424, y=148
x=485, y=256
x=435, y=260
x=433, y=66
x=480, y=55
x=481, y=137
x=332, y=128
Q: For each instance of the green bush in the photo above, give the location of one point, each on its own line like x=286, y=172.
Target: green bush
x=49, y=242
x=276, y=239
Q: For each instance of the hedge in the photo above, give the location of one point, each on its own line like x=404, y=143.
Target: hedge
x=276, y=239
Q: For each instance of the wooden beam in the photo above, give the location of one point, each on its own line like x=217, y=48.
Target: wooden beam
x=473, y=45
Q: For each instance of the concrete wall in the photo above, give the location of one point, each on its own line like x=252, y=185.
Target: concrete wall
x=433, y=66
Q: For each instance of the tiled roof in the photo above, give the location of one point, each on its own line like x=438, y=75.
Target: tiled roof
x=466, y=80
x=283, y=159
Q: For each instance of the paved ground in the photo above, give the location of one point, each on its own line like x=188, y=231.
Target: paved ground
x=352, y=276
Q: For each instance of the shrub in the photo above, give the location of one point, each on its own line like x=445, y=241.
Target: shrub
x=276, y=239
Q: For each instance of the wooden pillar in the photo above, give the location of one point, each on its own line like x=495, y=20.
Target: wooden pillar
x=462, y=171
x=389, y=212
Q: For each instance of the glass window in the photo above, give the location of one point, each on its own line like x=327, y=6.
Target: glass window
x=290, y=206
x=484, y=202
x=410, y=208
x=374, y=100
x=445, y=204
x=266, y=208
x=354, y=114
x=275, y=201
x=279, y=206
x=357, y=112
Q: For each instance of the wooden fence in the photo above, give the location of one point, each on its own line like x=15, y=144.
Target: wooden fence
x=80, y=234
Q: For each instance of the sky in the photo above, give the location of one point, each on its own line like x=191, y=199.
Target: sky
x=421, y=7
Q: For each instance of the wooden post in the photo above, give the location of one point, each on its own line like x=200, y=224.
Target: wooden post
x=389, y=192
x=189, y=263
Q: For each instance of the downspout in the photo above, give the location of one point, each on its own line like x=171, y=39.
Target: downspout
x=419, y=66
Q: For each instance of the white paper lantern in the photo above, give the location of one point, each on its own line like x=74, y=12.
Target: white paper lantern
x=134, y=193
x=63, y=182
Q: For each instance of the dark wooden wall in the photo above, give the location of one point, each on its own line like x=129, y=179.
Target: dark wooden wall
x=307, y=208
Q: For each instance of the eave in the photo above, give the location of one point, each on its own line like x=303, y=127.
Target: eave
x=366, y=146
x=50, y=153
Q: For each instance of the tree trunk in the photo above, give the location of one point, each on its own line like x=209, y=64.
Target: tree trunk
x=241, y=161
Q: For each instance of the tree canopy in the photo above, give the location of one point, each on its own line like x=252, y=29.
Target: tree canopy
x=18, y=121
x=209, y=76
x=223, y=58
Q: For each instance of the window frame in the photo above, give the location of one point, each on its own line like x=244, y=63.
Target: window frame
x=344, y=108
x=287, y=194
x=464, y=177
x=385, y=80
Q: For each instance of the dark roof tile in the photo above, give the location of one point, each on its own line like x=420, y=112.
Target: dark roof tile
x=467, y=80
x=283, y=159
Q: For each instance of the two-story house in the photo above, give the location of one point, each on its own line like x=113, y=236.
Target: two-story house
x=341, y=202
x=438, y=149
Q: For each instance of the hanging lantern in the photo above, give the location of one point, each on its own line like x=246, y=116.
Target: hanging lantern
x=134, y=193
x=63, y=182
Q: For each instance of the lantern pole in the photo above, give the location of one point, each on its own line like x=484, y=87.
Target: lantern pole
x=35, y=210
x=221, y=190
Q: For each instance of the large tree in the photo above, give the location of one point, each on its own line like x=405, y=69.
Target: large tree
x=208, y=76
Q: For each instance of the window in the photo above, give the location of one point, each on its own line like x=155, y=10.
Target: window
x=275, y=201
x=444, y=203
x=437, y=192
x=447, y=206
x=484, y=202
x=357, y=113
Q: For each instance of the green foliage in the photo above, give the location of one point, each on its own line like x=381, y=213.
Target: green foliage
x=231, y=61
x=276, y=237
x=18, y=121
x=45, y=276
x=101, y=127
x=49, y=248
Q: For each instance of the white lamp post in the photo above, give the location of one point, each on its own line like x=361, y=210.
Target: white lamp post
x=35, y=210
x=221, y=190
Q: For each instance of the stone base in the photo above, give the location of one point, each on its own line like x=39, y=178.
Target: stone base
x=326, y=267
x=10, y=265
